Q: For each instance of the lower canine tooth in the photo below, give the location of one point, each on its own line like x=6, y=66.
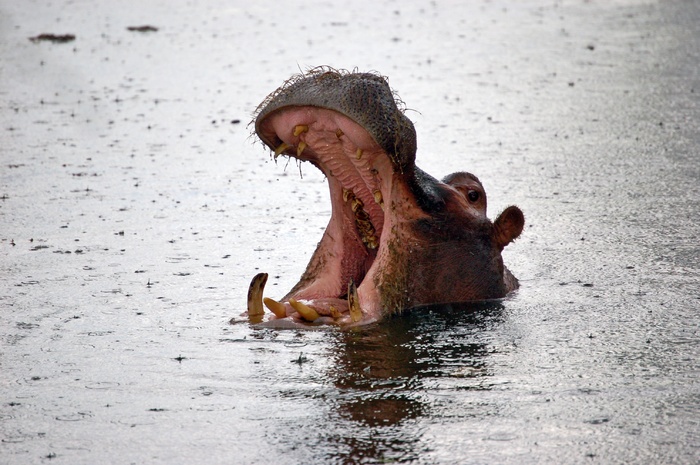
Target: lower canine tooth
x=354, y=302
x=255, y=292
x=275, y=307
x=306, y=312
x=281, y=148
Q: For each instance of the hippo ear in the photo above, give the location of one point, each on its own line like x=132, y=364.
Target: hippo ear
x=508, y=226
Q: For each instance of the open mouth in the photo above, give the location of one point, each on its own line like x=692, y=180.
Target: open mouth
x=352, y=127
x=359, y=176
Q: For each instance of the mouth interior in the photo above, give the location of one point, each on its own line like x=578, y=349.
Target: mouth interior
x=358, y=173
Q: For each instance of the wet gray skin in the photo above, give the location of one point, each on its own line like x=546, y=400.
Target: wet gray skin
x=135, y=207
x=397, y=238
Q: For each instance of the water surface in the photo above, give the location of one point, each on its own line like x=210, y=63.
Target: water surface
x=135, y=209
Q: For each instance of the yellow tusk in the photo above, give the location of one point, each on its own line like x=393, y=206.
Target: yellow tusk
x=308, y=313
x=281, y=148
x=275, y=307
x=358, y=154
x=299, y=128
x=339, y=133
x=354, y=302
x=255, y=292
x=300, y=148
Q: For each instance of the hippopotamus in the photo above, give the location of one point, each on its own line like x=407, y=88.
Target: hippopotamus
x=397, y=237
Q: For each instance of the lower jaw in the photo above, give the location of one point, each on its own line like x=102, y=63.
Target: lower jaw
x=346, y=310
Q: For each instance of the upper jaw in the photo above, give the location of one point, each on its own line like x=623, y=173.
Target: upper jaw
x=364, y=98
x=356, y=167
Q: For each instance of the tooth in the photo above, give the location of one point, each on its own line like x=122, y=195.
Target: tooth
x=299, y=128
x=358, y=154
x=334, y=312
x=308, y=313
x=378, y=198
x=347, y=194
x=255, y=292
x=354, y=302
x=300, y=148
x=357, y=204
x=372, y=243
x=281, y=148
x=369, y=239
x=339, y=133
x=275, y=307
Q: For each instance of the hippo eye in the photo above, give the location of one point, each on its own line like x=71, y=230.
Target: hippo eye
x=473, y=196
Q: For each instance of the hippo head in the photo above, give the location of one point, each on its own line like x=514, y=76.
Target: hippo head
x=397, y=237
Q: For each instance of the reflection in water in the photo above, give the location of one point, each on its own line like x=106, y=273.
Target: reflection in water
x=381, y=373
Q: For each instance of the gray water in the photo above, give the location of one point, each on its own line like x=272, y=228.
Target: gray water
x=135, y=209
